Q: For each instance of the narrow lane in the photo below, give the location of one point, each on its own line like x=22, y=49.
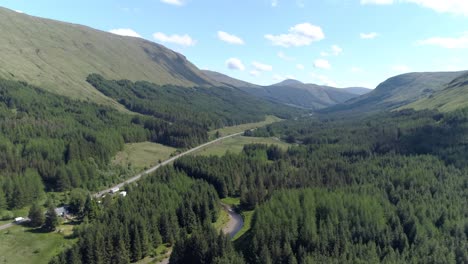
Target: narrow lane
x=150, y=170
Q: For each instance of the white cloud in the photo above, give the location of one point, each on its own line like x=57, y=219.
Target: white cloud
x=300, y=67
x=290, y=77
x=229, y=38
x=274, y=3
x=370, y=35
x=261, y=66
x=173, y=2
x=323, y=80
x=19, y=11
x=336, y=50
x=125, y=32
x=459, y=7
x=183, y=40
x=322, y=64
x=447, y=42
x=377, y=2
x=254, y=73
x=356, y=70
x=400, y=68
x=299, y=35
x=283, y=56
x=235, y=64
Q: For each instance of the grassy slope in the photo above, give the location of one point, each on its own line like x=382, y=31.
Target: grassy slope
x=398, y=91
x=142, y=155
x=23, y=245
x=454, y=96
x=240, y=128
x=58, y=56
x=236, y=144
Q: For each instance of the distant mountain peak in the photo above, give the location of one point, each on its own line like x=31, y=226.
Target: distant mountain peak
x=288, y=82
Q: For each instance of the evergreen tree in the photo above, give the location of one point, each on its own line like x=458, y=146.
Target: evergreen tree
x=51, y=219
x=36, y=215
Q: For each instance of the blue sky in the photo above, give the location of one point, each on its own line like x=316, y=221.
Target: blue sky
x=333, y=42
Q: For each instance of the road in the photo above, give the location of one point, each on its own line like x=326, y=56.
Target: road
x=235, y=223
x=231, y=228
x=5, y=226
x=150, y=170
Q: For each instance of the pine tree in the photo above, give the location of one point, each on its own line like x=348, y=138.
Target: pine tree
x=51, y=219
x=36, y=216
x=3, y=201
x=91, y=209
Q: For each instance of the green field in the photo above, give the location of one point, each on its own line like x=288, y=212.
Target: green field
x=142, y=155
x=232, y=201
x=236, y=144
x=240, y=128
x=223, y=219
x=160, y=253
x=12, y=214
x=24, y=245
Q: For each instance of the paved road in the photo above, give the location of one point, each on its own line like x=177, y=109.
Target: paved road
x=138, y=176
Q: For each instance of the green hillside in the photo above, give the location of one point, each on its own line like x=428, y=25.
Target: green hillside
x=453, y=97
x=59, y=56
x=398, y=92
x=293, y=92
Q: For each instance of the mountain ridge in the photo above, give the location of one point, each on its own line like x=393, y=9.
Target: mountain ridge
x=399, y=91
x=58, y=56
x=290, y=92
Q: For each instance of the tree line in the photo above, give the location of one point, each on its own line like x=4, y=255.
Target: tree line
x=164, y=207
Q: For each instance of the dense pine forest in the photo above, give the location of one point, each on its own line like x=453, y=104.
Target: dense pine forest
x=116, y=149
x=163, y=208
x=52, y=143
x=391, y=189
x=197, y=108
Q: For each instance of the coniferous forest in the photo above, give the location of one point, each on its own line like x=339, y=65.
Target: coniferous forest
x=391, y=189
x=388, y=187
x=53, y=143
x=116, y=149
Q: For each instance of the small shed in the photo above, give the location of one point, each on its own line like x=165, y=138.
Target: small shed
x=123, y=193
x=19, y=219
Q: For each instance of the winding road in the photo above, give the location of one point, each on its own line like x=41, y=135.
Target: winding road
x=235, y=223
x=232, y=227
x=150, y=170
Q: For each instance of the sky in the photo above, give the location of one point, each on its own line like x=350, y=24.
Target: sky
x=341, y=43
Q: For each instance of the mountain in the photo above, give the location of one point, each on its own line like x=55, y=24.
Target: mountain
x=59, y=56
x=398, y=91
x=453, y=96
x=227, y=80
x=292, y=92
x=357, y=90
